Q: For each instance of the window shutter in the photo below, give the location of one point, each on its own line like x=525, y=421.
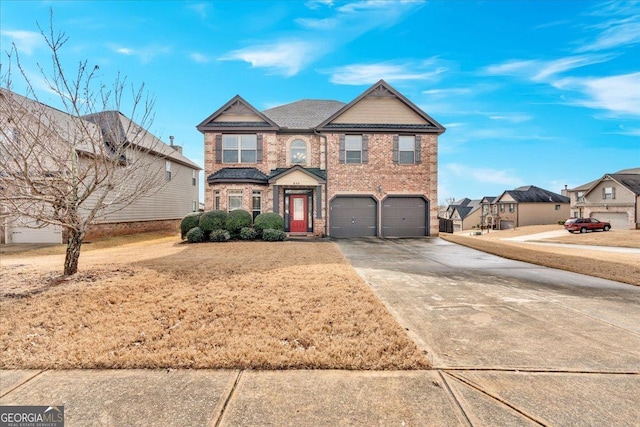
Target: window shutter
x=613, y=192
x=418, y=149
x=604, y=194
x=396, y=144
x=365, y=148
x=259, y=148
x=341, y=152
x=218, y=148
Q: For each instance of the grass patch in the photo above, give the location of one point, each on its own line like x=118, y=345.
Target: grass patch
x=255, y=305
x=616, y=266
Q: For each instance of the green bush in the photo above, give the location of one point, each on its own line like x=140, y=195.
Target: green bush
x=213, y=220
x=248, y=233
x=188, y=222
x=268, y=220
x=219, y=236
x=237, y=220
x=195, y=235
x=271, y=235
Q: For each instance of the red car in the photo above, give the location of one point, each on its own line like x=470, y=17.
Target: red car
x=585, y=224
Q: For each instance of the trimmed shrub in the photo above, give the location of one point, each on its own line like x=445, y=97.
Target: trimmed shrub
x=248, y=233
x=237, y=220
x=195, y=235
x=213, y=220
x=219, y=236
x=188, y=222
x=271, y=235
x=268, y=220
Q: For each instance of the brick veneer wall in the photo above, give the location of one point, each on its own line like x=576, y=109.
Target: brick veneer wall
x=380, y=177
x=97, y=231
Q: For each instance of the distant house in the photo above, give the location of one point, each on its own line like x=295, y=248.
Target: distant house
x=161, y=210
x=527, y=205
x=614, y=198
x=465, y=214
x=363, y=168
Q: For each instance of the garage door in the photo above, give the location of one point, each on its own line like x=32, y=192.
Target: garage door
x=404, y=217
x=353, y=217
x=507, y=225
x=618, y=220
x=48, y=234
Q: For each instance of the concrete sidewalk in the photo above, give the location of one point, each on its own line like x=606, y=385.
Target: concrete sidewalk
x=328, y=398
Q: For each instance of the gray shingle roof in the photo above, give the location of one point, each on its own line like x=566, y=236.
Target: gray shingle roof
x=304, y=114
x=533, y=194
x=237, y=175
x=629, y=180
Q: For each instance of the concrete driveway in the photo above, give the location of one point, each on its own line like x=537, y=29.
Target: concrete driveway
x=547, y=346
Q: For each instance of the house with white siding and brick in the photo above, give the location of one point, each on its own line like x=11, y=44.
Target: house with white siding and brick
x=363, y=168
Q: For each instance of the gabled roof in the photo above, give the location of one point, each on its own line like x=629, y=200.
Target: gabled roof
x=488, y=199
x=115, y=126
x=533, y=194
x=237, y=106
x=382, y=90
x=316, y=173
x=468, y=208
x=628, y=178
x=245, y=175
x=303, y=115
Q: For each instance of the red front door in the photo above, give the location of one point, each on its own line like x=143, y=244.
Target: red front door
x=298, y=208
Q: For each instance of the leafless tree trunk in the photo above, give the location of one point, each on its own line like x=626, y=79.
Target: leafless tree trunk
x=74, y=165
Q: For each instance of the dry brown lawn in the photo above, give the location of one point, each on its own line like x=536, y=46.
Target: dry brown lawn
x=161, y=304
x=622, y=267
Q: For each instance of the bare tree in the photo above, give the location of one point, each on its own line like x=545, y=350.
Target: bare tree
x=76, y=165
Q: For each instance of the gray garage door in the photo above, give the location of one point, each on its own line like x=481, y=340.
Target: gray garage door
x=404, y=217
x=507, y=225
x=353, y=217
x=618, y=221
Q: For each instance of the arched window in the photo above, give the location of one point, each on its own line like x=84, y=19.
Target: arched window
x=298, y=152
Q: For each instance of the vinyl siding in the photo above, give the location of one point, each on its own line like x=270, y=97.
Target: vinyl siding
x=380, y=111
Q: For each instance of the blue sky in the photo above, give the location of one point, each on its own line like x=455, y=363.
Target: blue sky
x=531, y=92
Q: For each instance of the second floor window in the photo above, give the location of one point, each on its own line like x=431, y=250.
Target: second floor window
x=580, y=196
x=512, y=207
x=608, y=193
x=406, y=149
x=167, y=170
x=239, y=149
x=298, y=152
x=194, y=177
x=353, y=148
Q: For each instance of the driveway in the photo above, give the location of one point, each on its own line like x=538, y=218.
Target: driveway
x=553, y=346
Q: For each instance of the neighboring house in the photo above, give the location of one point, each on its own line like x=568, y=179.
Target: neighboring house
x=465, y=214
x=161, y=210
x=366, y=168
x=527, y=205
x=614, y=198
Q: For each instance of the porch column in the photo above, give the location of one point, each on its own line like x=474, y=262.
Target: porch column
x=276, y=201
x=319, y=201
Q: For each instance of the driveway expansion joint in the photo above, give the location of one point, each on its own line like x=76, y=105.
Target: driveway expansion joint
x=21, y=383
x=228, y=399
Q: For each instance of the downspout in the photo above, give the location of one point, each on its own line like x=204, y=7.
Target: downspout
x=326, y=184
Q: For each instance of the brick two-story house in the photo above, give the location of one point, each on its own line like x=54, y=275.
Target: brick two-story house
x=365, y=168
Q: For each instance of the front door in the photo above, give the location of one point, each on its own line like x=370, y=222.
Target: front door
x=298, y=203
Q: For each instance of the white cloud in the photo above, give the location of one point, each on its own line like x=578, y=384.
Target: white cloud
x=199, y=58
x=511, y=117
x=199, y=8
x=314, y=40
x=485, y=175
x=360, y=74
x=286, y=58
x=621, y=29
x=25, y=41
x=125, y=51
x=616, y=94
x=446, y=93
x=541, y=71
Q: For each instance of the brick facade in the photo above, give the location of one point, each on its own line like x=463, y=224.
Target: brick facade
x=378, y=176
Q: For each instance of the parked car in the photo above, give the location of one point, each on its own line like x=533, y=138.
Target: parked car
x=585, y=224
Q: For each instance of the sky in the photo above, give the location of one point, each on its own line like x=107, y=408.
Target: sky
x=543, y=93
